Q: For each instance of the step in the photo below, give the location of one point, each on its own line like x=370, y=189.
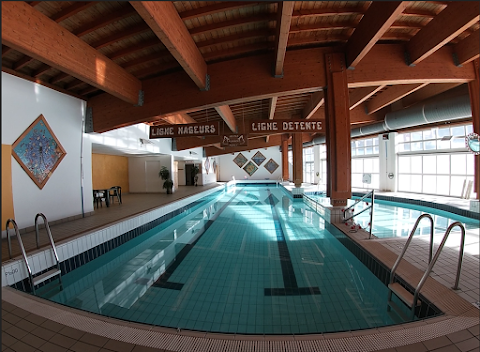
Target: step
x=398, y=311
x=403, y=294
x=37, y=280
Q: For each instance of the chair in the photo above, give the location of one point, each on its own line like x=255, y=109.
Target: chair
x=115, y=191
x=98, y=197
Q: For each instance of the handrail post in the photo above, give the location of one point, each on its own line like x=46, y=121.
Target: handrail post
x=49, y=233
x=371, y=214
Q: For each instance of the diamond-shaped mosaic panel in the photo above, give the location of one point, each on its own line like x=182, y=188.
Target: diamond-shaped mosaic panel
x=250, y=168
x=240, y=160
x=271, y=166
x=258, y=158
x=38, y=151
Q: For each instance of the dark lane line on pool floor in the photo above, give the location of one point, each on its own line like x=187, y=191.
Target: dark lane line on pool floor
x=289, y=279
x=162, y=281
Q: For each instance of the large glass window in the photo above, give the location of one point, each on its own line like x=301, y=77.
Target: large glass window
x=308, y=165
x=435, y=161
x=365, y=163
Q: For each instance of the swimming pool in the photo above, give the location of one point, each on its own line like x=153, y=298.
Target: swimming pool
x=248, y=261
x=392, y=219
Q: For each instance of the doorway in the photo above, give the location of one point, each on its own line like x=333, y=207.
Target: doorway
x=189, y=177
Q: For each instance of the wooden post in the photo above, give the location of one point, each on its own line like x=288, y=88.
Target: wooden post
x=474, y=90
x=285, y=172
x=297, y=145
x=337, y=121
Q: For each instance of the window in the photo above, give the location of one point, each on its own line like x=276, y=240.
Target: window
x=365, y=162
x=308, y=165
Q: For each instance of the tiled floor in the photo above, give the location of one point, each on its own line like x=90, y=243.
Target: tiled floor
x=31, y=324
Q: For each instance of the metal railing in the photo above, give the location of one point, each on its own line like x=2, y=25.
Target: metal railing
x=371, y=195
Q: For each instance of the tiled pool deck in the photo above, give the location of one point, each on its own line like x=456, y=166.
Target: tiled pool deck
x=32, y=324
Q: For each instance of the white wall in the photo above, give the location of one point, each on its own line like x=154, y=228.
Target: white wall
x=208, y=176
x=387, y=162
x=22, y=102
x=143, y=173
x=228, y=168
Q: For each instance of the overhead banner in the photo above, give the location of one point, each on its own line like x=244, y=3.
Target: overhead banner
x=188, y=130
x=285, y=126
x=233, y=140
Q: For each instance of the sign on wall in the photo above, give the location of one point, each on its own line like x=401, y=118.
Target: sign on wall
x=233, y=140
x=285, y=126
x=188, y=130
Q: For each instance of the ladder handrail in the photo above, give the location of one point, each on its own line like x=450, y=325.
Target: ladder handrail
x=372, y=193
x=49, y=233
x=397, y=262
x=17, y=232
x=437, y=254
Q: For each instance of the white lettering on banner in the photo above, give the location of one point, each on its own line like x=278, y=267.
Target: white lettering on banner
x=264, y=126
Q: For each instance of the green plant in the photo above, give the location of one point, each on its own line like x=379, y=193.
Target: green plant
x=165, y=175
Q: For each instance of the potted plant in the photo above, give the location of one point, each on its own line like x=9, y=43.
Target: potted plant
x=165, y=176
x=195, y=171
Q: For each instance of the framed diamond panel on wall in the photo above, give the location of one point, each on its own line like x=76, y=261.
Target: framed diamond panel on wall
x=240, y=160
x=258, y=158
x=250, y=168
x=38, y=151
x=207, y=165
x=271, y=166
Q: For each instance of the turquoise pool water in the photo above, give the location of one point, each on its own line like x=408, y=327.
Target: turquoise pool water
x=252, y=261
x=397, y=219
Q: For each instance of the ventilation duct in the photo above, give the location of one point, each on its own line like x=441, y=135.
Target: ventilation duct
x=439, y=110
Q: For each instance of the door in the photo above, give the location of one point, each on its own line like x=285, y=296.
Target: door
x=189, y=175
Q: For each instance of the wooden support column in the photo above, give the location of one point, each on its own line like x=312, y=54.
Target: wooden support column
x=337, y=123
x=285, y=172
x=297, y=147
x=474, y=90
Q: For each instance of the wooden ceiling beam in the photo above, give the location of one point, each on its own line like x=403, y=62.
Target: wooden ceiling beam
x=226, y=114
x=359, y=95
x=447, y=25
x=284, y=19
x=375, y=22
x=323, y=26
x=260, y=33
x=427, y=92
x=249, y=78
x=5, y=50
x=121, y=35
x=61, y=49
x=255, y=143
x=136, y=48
x=358, y=116
x=219, y=7
x=163, y=18
x=316, y=101
x=331, y=11
x=179, y=119
x=468, y=49
x=272, y=104
x=238, y=50
x=24, y=61
x=391, y=95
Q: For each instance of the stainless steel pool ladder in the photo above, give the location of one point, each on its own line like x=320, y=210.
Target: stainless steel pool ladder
x=370, y=194
x=55, y=271
x=411, y=300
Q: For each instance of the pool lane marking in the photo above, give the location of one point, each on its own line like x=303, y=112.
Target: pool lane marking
x=162, y=281
x=288, y=273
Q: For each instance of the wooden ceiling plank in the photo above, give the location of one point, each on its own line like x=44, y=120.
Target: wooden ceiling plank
x=219, y=7
x=331, y=11
x=145, y=59
x=468, y=49
x=447, y=25
x=285, y=10
x=249, y=78
x=136, y=48
x=316, y=100
x=162, y=17
x=231, y=23
x=59, y=77
x=40, y=71
x=24, y=61
x=55, y=46
x=227, y=115
x=104, y=21
x=121, y=35
x=359, y=95
x=299, y=28
x=427, y=92
x=261, y=33
x=5, y=50
x=179, y=119
x=358, y=115
x=73, y=10
x=391, y=95
x=376, y=21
